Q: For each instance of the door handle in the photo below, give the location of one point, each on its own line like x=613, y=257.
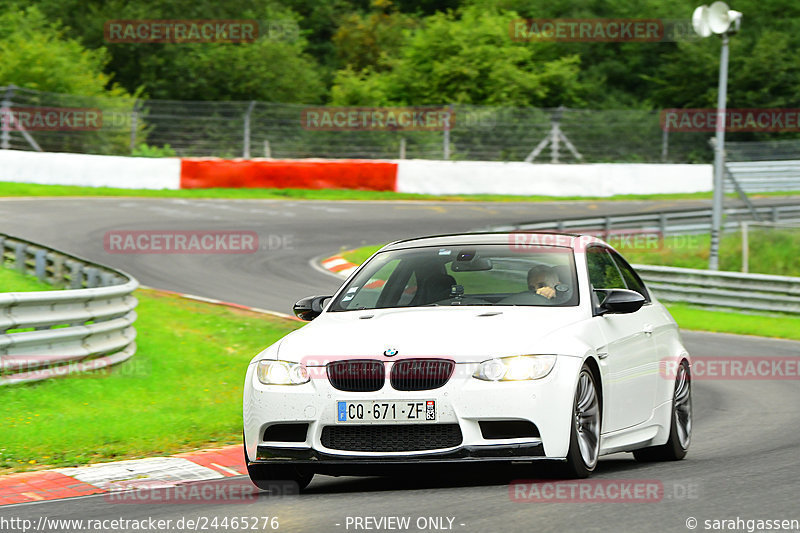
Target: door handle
x=647, y=329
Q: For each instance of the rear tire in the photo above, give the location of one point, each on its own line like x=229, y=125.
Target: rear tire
x=280, y=479
x=584, y=440
x=680, y=431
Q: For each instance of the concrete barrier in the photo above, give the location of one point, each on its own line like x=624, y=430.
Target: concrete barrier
x=410, y=176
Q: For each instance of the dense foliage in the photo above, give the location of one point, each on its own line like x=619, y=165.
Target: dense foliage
x=402, y=51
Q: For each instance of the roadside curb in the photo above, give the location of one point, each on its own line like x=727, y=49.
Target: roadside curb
x=134, y=474
x=131, y=474
x=339, y=266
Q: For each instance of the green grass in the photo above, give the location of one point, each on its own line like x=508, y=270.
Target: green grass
x=778, y=326
x=181, y=391
x=359, y=255
x=31, y=189
x=12, y=281
x=771, y=252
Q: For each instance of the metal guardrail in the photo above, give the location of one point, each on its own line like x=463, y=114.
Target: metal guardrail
x=47, y=334
x=764, y=176
x=735, y=290
x=665, y=223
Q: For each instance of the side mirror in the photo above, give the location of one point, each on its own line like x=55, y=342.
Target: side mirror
x=620, y=301
x=310, y=308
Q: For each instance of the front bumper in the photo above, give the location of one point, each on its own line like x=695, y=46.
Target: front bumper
x=308, y=456
x=464, y=400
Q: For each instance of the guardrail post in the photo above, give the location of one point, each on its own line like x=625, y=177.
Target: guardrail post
x=560, y=225
x=607, y=228
x=662, y=224
x=92, y=277
x=106, y=279
x=2, y=251
x=19, y=259
x=75, y=275
x=58, y=269
x=775, y=214
x=40, y=264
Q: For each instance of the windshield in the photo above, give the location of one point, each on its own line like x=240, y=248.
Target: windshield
x=491, y=275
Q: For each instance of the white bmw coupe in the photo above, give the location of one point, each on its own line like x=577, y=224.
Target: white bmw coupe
x=474, y=347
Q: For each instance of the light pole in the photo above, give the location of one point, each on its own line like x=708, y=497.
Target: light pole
x=722, y=21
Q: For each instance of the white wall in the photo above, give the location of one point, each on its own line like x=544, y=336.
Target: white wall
x=595, y=179
x=92, y=170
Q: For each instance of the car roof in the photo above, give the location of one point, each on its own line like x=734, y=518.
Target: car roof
x=515, y=239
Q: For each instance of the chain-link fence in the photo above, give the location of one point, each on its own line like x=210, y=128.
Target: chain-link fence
x=262, y=129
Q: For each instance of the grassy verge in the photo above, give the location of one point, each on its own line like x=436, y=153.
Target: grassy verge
x=769, y=253
x=32, y=189
x=181, y=391
x=695, y=318
x=12, y=281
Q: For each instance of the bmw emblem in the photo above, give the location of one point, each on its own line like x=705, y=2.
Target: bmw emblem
x=390, y=352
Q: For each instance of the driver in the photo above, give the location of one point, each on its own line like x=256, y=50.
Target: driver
x=543, y=280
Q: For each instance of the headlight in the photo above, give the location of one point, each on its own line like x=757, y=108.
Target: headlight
x=517, y=368
x=282, y=373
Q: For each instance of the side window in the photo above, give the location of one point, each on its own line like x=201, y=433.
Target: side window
x=603, y=272
x=631, y=278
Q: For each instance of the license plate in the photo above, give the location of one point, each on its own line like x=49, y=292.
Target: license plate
x=389, y=411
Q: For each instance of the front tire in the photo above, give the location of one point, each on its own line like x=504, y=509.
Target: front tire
x=277, y=478
x=584, y=441
x=680, y=432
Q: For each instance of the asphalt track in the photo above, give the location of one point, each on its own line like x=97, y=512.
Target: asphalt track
x=744, y=461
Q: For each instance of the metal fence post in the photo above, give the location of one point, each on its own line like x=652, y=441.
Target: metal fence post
x=5, y=118
x=134, y=123
x=555, y=135
x=267, y=149
x=402, y=147
x=446, y=139
x=246, y=148
x=745, y=248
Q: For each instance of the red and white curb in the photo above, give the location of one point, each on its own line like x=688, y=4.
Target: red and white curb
x=342, y=267
x=339, y=266
x=128, y=475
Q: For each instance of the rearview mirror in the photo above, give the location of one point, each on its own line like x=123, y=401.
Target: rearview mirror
x=310, y=308
x=473, y=265
x=619, y=301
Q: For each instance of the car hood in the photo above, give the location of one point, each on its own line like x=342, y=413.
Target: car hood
x=468, y=334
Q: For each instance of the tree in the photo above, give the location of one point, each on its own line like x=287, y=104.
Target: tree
x=37, y=55
x=466, y=57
